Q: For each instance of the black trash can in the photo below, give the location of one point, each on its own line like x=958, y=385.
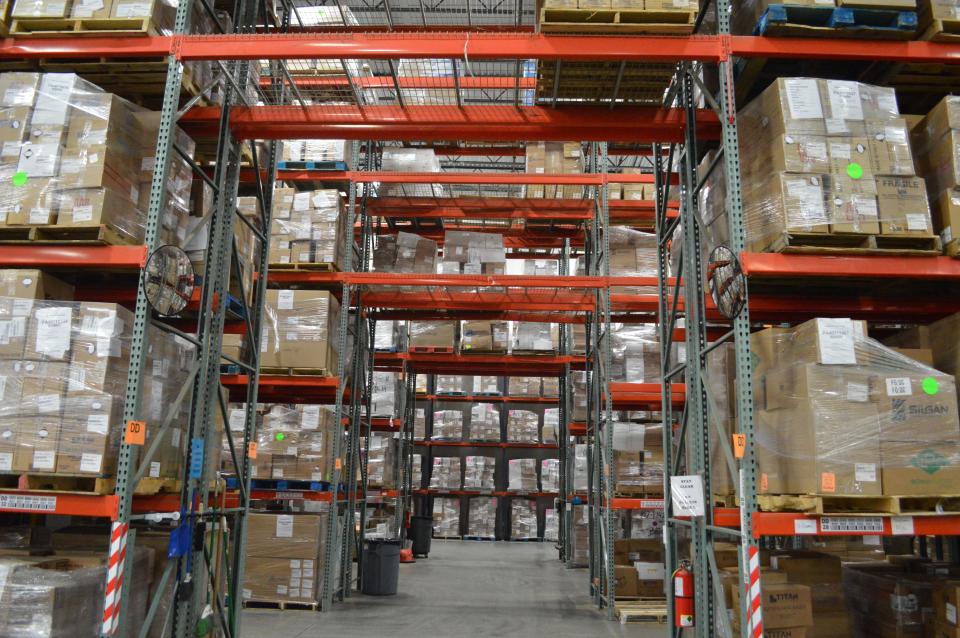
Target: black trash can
x=421, y=531
x=381, y=567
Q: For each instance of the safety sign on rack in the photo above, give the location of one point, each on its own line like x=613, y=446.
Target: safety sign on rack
x=686, y=495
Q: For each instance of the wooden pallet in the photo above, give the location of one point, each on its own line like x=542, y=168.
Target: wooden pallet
x=854, y=244
x=619, y=21
x=282, y=605
x=314, y=267
x=86, y=27
x=448, y=538
x=650, y=610
x=82, y=483
x=868, y=505
x=98, y=235
x=295, y=372
x=786, y=20
x=430, y=350
x=483, y=352
x=535, y=353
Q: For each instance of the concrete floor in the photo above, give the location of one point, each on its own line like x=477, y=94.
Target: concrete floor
x=465, y=589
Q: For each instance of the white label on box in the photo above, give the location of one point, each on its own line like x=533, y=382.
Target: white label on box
x=82, y=213
x=835, y=125
x=803, y=99
x=98, y=423
x=687, y=495
x=291, y=450
x=916, y=221
x=133, y=10
x=866, y=472
x=310, y=418
x=6, y=461
x=264, y=340
x=284, y=526
x=238, y=419
x=147, y=163
x=55, y=90
x=899, y=387
x=301, y=201
x=38, y=160
x=282, y=590
x=39, y=216
x=22, y=307
x=951, y=613
x=859, y=392
x=3, y=387
x=43, y=459
x=53, y=331
x=649, y=571
x=154, y=469
x=946, y=235
x=285, y=300
x=294, y=564
x=295, y=575
x=835, y=341
x=840, y=150
x=175, y=438
x=247, y=594
x=866, y=207
x=872, y=539
x=90, y=462
x=805, y=526
x=76, y=378
x=844, y=99
x=285, y=259
x=887, y=101
x=11, y=149
x=901, y=525
x=47, y=403
x=19, y=96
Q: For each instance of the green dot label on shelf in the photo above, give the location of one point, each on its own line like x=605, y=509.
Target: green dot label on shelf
x=280, y=436
x=930, y=385
x=19, y=178
x=854, y=170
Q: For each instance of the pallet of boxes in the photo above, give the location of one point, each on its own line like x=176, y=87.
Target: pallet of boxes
x=833, y=173
x=861, y=19
x=936, y=140
x=299, y=327
x=308, y=230
x=638, y=579
x=673, y=17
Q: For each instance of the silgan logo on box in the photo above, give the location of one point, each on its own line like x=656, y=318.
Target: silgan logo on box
x=929, y=461
x=902, y=410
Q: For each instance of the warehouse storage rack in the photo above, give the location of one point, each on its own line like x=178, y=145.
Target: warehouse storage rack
x=680, y=125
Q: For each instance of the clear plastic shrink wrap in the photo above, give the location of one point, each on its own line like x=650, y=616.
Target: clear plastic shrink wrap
x=535, y=337
x=834, y=157
x=523, y=386
x=478, y=472
x=484, y=422
x=416, y=472
x=385, y=393
x=522, y=475
x=638, y=458
x=433, y=334
x=446, y=517
x=482, y=517
x=405, y=253
x=308, y=229
x=420, y=423
x=632, y=254
x=452, y=384
x=471, y=253
x=445, y=474
x=317, y=150
x=523, y=426
x=836, y=412
x=551, y=525
x=580, y=473
x=551, y=424
x=292, y=441
x=523, y=519
x=380, y=460
x=410, y=160
x=550, y=475
x=635, y=352
x=448, y=421
x=298, y=328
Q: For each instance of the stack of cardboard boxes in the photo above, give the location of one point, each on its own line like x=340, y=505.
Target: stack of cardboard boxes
x=484, y=422
x=75, y=157
x=446, y=517
x=580, y=539
x=284, y=553
x=635, y=351
x=837, y=160
x=432, y=335
x=523, y=426
x=317, y=150
x=307, y=227
x=839, y=413
x=380, y=461
x=551, y=525
x=482, y=517
x=448, y=422
x=63, y=374
x=298, y=330
x=445, y=474
x=551, y=425
x=385, y=394
x=410, y=160
x=552, y=158
x=894, y=599
x=535, y=338
x=292, y=441
x=484, y=336
x=550, y=475
x=638, y=459
x=470, y=253
x=523, y=519
x=478, y=472
x=522, y=475
x=936, y=142
x=405, y=253
x=638, y=568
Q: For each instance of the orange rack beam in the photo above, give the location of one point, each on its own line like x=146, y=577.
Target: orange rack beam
x=530, y=446
x=65, y=503
x=795, y=524
x=487, y=399
x=68, y=256
x=275, y=388
x=492, y=364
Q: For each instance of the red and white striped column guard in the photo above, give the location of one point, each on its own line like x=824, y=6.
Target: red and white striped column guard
x=753, y=593
x=114, y=590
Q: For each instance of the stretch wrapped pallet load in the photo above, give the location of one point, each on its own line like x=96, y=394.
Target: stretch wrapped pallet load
x=523, y=386
x=484, y=336
x=478, y=472
x=551, y=424
x=311, y=229
x=389, y=335
x=638, y=459
x=894, y=599
x=837, y=160
x=550, y=475
x=74, y=157
x=633, y=253
x=554, y=158
x=385, y=394
x=405, y=253
x=636, y=353
x=580, y=470
x=523, y=519
x=551, y=525
x=482, y=517
x=63, y=374
x=579, y=394
x=580, y=539
x=445, y=474
x=838, y=413
x=420, y=423
x=261, y=467
x=484, y=384
x=446, y=517
x=298, y=328
x=380, y=461
x=646, y=523
x=284, y=557
x=484, y=422
x=523, y=426
x=410, y=160
x=535, y=337
x=317, y=150
x=450, y=384
x=522, y=475
x=416, y=472
x=448, y=421
x=533, y=267
x=432, y=334
x=470, y=253
x=936, y=140
x=292, y=440
x=550, y=387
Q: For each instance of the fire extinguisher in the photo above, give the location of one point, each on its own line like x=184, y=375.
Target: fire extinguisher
x=683, y=595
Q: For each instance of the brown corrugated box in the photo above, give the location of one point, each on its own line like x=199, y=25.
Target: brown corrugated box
x=287, y=535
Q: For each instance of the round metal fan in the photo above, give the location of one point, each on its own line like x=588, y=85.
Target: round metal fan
x=726, y=281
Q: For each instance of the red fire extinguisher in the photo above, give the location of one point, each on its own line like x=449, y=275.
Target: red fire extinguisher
x=683, y=596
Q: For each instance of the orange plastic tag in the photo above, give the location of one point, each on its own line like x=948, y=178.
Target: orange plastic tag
x=338, y=464
x=252, y=450
x=136, y=433
x=739, y=445
x=763, y=482
x=828, y=481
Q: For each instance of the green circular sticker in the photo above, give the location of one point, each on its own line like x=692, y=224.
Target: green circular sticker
x=930, y=385
x=19, y=178
x=280, y=436
x=854, y=170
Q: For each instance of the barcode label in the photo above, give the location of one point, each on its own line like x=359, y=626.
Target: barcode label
x=28, y=502
x=853, y=524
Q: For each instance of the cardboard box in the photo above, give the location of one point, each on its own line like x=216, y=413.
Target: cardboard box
x=91, y=207
x=946, y=600
x=945, y=630
x=889, y=148
x=281, y=579
x=232, y=346
x=626, y=582
x=784, y=605
x=484, y=336
x=37, y=441
x=98, y=9
x=432, y=334
x=41, y=9
x=299, y=329
x=288, y=535
x=89, y=433
x=902, y=204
